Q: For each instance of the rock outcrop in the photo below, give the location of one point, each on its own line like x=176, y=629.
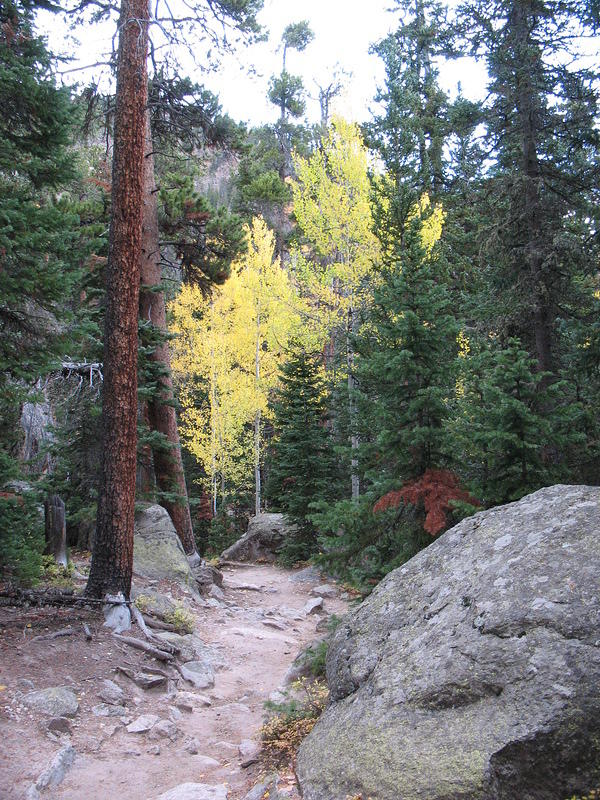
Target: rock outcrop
x=262, y=541
x=473, y=671
x=157, y=552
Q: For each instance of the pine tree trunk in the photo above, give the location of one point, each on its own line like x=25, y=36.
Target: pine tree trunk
x=112, y=558
x=529, y=120
x=168, y=465
x=56, y=529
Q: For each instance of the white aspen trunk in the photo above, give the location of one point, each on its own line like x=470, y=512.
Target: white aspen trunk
x=257, y=486
x=352, y=404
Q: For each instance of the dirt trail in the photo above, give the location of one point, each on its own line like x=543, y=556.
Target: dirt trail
x=254, y=633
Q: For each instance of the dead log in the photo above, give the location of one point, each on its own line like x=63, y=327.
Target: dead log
x=161, y=655
x=56, y=635
x=55, y=529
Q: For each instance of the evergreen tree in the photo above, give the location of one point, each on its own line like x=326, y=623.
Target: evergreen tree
x=38, y=251
x=509, y=422
x=406, y=357
x=540, y=198
x=301, y=469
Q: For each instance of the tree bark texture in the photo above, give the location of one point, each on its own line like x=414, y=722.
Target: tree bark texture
x=112, y=557
x=56, y=529
x=527, y=55
x=168, y=465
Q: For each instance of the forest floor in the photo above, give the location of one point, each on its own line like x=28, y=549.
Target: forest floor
x=255, y=634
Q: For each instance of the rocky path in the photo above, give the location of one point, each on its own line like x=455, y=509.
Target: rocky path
x=244, y=645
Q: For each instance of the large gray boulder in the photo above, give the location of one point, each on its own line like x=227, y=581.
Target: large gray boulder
x=473, y=671
x=262, y=541
x=157, y=551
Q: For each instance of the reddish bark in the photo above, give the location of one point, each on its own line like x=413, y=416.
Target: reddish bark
x=436, y=489
x=112, y=558
x=168, y=466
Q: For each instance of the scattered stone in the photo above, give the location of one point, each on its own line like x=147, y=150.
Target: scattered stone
x=25, y=685
x=249, y=752
x=227, y=746
x=277, y=697
x=187, y=701
x=205, y=762
x=143, y=724
x=154, y=603
x=111, y=693
x=175, y=714
x=323, y=624
x=312, y=606
x=165, y=729
x=132, y=751
x=105, y=710
x=273, y=623
x=268, y=788
x=56, y=701
x=144, y=680
x=207, y=578
x=195, y=791
x=216, y=592
x=154, y=750
x=117, y=615
x=157, y=551
x=59, y=725
x=265, y=535
x=246, y=587
x=53, y=774
x=212, y=602
x=199, y=673
x=325, y=590
x=191, y=746
x=306, y=575
x=472, y=671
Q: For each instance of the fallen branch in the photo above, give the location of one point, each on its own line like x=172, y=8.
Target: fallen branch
x=161, y=655
x=56, y=635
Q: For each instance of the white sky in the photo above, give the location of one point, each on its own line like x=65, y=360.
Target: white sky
x=344, y=31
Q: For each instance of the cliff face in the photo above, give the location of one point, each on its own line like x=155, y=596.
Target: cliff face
x=473, y=671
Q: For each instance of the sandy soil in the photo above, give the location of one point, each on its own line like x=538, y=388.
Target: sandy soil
x=256, y=633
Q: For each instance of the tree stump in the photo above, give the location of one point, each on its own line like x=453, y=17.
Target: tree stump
x=56, y=529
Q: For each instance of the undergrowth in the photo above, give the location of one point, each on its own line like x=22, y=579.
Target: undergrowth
x=292, y=721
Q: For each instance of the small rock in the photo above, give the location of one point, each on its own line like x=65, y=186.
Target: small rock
x=227, y=746
x=212, y=602
x=249, y=752
x=313, y=606
x=132, y=751
x=259, y=791
x=246, y=587
x=199, y=673
x=325, y=590
x=175, y=714
x=111, y=693
x=165, y=729
x=191, y=746
x=59, y=725
x=306, y=575
x=323, y=624
x=187, y=701
x=195, y=791
x=154, y=750
x=205, y=762
x=56, y=701
x=106, y=710
x=25, y=685
x=54, y=773
x=277, y=697
x=216, y=592
x=143, y=724
x=273, y=623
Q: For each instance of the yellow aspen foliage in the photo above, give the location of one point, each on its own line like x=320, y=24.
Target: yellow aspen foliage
x=331, y=204
x=230, y=344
